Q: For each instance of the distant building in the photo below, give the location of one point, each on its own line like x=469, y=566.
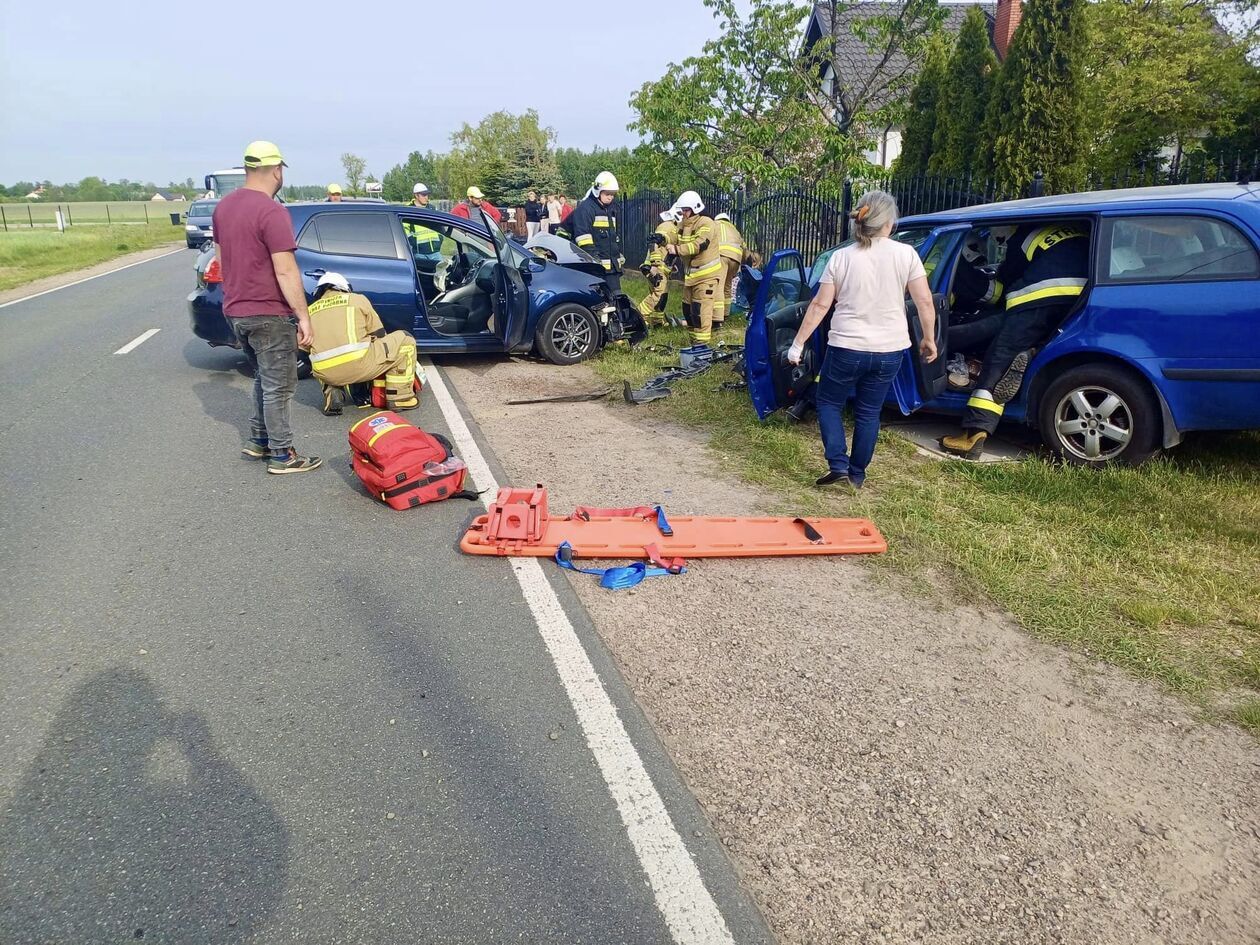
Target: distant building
x=855, y=67
x=166, y=195
x=36, y=194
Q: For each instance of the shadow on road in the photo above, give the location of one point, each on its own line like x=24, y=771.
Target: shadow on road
x=200, y=355
x=129, y=825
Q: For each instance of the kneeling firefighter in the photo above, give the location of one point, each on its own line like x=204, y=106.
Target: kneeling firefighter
x=698, y=245
x=657, y=267
x=1045, y=271
x=351, y=346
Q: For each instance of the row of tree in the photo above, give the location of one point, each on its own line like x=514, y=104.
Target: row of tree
x=1086, y=89
x=95, y=188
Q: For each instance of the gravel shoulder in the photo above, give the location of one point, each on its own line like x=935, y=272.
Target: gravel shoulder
x=882, y=765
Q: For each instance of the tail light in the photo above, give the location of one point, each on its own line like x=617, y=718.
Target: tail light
x=214, y=272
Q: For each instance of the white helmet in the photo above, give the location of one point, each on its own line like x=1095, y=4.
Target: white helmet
x=420, y=189
x=605, y=181
x=334, y=279
x=689, y=200
x=723, y=216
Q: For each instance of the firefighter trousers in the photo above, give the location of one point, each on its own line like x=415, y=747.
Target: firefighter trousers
x=1005, y=362
x=389, y=363
x=699, y=304
x=726, y=288
x=652, y=308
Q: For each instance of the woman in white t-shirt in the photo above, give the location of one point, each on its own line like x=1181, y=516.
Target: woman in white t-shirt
x=867, y=281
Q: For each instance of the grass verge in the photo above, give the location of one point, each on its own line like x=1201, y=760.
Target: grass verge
x=26, y=255
x=1155, y=569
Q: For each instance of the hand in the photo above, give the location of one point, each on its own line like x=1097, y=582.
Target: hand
x=304, y=334
x=927, y=350
x=795, y=353
x=672, y=249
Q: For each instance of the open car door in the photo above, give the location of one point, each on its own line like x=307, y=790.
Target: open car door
x=919, y=381
x=777, y=311
x=514, y=279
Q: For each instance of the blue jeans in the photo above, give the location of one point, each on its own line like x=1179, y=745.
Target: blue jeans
x=270, y=345
x=866, y=375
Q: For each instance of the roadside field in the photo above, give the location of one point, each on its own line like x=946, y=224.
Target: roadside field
x=26, y=255
x=19, y=216
x=1153, y=569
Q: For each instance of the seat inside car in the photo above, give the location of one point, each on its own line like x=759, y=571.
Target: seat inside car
x=467, y=310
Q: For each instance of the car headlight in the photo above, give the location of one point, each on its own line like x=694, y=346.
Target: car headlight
x=190, y=228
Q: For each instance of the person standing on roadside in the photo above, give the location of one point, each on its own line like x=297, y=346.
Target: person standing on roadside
x=262, y=298
x=334, y=194
x=534, y=211
x=867, y=281
x=553, y=212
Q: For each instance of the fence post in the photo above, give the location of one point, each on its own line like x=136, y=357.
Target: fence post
x=1038, y=185
x=4, y=219
x=108, y=221
x=146, y=213
x=69, y=216
x=846, y=207
x=30, y=219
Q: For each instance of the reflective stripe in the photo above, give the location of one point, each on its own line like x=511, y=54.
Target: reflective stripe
x=383, y=430
x=994, y=293
x=704, y=272
x=983, y=403
x=1046, y=237
x=343, y=355
x=585, y=240
x=1045, y=289
x=607, y=263
x=601, y=222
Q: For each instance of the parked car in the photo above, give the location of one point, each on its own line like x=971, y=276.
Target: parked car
x=478, y=292
x=198, y=228
x=1163, y=341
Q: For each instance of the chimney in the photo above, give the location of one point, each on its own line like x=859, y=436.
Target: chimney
x=1004, y=25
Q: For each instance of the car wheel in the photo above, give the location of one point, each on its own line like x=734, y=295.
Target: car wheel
x=568, y=334
x=304, y=365
x=1099, y=414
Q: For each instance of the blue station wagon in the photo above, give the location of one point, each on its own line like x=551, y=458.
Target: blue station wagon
x=459, y=286
x=1165, y=339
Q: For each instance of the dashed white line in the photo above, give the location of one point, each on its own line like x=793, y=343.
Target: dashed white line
x=135, y=343
x=58, y=288
x=685, y=903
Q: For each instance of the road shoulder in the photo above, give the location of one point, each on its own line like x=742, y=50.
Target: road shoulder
x=881, y=763
x=49, y=283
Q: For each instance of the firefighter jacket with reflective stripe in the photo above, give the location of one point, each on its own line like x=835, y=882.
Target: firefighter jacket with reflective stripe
x=1045, y=265
x=698, y=245
x=424, y=240
x=594, y=228
x=730, y=242
x=658, y=256
x=343, y=326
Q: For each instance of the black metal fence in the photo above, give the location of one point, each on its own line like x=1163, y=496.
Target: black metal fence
x=815, y=217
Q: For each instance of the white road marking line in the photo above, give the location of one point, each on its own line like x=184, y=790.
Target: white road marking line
x=99, y=275
x=688, y=908
x=137, y=342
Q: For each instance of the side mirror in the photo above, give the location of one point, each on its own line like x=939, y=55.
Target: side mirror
x=527, y=271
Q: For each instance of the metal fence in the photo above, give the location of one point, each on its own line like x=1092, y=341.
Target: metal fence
x=89, y=213
x=815, y=217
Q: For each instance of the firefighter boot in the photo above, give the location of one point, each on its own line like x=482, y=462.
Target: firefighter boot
x=969, y=444
x=332, y=401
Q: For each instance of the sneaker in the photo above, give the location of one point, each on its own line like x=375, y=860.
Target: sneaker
x=256, y=449
x=288, y=461
x=833, y=479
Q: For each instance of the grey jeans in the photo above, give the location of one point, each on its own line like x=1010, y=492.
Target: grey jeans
x=270, y=344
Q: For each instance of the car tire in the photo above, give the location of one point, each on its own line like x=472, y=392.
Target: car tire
x=1097, y=415
x=568, y=334
x=304, y=365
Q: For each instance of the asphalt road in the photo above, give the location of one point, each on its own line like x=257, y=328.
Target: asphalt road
x=239, y=707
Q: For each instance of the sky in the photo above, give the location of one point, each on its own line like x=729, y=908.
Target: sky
x=166, y=91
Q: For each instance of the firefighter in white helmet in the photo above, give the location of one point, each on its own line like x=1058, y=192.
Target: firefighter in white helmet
x=699, y=247
x=593, y=226
x=350, y=346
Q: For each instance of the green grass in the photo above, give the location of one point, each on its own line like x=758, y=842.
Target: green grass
x=19, y=215
x=1155, y=569
x=33, y=254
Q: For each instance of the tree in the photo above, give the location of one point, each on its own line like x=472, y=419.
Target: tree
x=92, y=188
x=499, y=152
x=964, y=100
x=921, y=118
x=417, y=169
x=1161, y=75
x=355, y=167
x=1035, y=115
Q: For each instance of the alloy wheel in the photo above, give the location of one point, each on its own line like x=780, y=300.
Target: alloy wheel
x=572, y=334
x=1093, y=423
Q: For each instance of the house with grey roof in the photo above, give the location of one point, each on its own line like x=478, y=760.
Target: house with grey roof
x=863, y=74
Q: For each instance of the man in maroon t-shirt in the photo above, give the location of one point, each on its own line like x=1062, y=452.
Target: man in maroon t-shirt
x=262, y=295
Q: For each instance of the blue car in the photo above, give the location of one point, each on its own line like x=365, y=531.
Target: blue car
x=197, y=223
x=1165, y=339
x=459, y=286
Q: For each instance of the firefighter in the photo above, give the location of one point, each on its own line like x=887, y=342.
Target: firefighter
x=699, y=247
x=350, y=346
x=731, y=249
x=426, y=244
x=593, y=227
x=334, y=194
x=1044, y=273
x=657, y=267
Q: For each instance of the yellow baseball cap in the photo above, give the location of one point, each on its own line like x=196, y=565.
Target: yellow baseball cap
x=263, y=154
x=334, y=188
x=476, y=192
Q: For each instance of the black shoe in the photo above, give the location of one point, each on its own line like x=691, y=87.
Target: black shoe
x=833, y=479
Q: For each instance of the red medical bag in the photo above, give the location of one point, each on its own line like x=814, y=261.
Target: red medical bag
x=402, y=465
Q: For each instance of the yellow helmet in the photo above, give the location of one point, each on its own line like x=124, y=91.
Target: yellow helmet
x=334, y=188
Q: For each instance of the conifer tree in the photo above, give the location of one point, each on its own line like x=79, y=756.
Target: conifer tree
x=920, y=127
x=960, y=110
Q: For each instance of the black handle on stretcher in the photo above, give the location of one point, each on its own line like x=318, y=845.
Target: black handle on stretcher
x=811, y=532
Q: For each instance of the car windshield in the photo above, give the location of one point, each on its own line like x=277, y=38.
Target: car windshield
x=201, y=209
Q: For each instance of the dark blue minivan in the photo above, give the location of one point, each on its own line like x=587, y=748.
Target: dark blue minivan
x=1165, y=339
x=459, y=286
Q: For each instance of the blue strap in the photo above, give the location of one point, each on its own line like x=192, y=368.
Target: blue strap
x=614, y=579
x=663, y=523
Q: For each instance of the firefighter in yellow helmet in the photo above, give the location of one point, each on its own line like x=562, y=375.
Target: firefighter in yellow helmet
x=657, y=267
x=334, y=194
x=731, y=248
x=699, y=248
x=351, y=346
